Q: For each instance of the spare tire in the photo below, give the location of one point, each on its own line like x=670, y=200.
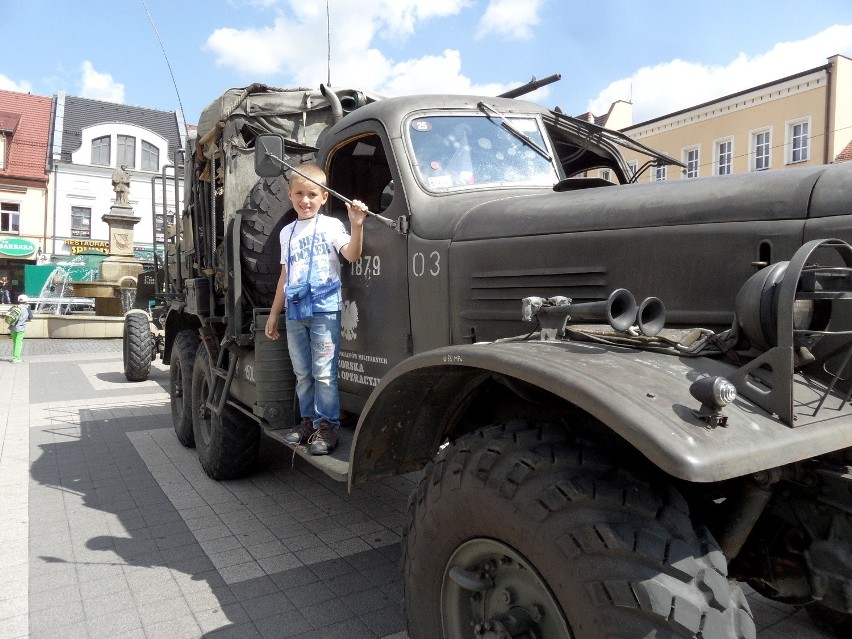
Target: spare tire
x=269, y=211
x=138, y=346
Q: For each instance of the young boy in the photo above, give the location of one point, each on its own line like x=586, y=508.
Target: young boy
x=309, y=250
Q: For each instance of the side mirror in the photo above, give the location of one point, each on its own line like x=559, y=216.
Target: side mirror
x=268, y=152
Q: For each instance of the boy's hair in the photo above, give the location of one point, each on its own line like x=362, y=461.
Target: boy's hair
x=311, y=170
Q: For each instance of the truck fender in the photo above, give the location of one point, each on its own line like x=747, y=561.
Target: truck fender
x=641, y=396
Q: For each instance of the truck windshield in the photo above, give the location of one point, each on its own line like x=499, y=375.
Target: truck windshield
x=453, y=151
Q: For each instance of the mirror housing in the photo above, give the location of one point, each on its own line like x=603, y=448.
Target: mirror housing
x=267, y=146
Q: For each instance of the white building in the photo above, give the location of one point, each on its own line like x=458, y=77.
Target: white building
x=89, y=140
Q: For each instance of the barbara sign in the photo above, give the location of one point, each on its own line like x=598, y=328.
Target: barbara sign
x=16, y=247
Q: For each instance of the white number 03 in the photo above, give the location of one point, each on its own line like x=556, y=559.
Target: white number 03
x=422, y=264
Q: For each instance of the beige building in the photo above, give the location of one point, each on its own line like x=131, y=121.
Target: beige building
x=803, y=119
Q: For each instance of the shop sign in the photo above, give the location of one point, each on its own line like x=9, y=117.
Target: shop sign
x=78, y=246
x=16, y=247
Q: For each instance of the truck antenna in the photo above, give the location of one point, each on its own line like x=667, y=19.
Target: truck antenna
x=168, y=64
x=328, y=36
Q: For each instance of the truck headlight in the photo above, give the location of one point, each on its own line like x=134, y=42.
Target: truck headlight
x=757, y=308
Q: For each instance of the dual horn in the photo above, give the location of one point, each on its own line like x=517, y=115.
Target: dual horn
x=619, y=310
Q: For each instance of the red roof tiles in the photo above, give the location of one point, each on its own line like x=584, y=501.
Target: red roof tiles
x=27, y=138
x=845, y=155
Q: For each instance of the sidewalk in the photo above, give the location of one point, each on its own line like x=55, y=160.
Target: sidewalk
x=112, y=529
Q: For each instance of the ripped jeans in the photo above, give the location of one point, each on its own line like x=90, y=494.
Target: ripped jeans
x=314, y=345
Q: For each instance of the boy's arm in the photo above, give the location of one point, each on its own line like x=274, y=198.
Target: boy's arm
x=357, y=213
x=271, y=328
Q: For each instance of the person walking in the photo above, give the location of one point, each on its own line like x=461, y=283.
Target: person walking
x=17, y=318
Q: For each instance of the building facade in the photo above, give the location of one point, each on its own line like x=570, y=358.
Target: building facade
x=802, y=119
x=90, y=141
x=24, y=222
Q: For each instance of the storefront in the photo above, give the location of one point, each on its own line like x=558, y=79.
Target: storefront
x=15, y=253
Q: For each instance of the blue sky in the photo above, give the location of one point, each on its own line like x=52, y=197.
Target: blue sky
x=663, y=55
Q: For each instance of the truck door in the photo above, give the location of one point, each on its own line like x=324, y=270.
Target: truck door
x=375, y=323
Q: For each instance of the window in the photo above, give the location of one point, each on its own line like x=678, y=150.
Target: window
x=126, y=151
x=81, y=221
x=2, y=150
x=797, y=134
x=762, y=144
x=10, y=217
x=463, y=151
x=100, y=150
x=606, y=175
x=690, y=158
x=724, y=157
x=659, y=174
x=170, y=221
x=150, y=157
x=632, y=168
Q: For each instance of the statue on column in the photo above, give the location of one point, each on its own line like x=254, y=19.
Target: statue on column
x=121, y=185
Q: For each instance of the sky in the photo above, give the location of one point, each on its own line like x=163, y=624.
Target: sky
x=662, y=56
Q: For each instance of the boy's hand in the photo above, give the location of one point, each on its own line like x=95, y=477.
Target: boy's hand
x=357, y=212
x=271, y=328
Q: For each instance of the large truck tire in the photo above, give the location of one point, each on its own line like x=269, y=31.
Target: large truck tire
x=180, y=384
x=138, y=346
x=839, y=623
x=227, y=444
x=269, y=204
x=513, y=530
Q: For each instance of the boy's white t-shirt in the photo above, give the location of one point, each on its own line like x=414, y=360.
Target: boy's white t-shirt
x=331, y=236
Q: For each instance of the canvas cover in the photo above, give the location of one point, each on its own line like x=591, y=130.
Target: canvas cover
x=239, y=114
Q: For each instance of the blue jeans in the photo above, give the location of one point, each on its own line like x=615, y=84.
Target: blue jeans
x=314, y=345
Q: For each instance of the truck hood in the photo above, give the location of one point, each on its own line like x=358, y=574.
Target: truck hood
x=772, y=195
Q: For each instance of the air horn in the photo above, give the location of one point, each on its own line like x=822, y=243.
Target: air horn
x=619, y=310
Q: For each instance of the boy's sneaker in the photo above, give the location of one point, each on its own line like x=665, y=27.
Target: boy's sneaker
x=323, y=440
x=300, y=434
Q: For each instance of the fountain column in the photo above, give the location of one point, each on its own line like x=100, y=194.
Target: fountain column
x=120, y=269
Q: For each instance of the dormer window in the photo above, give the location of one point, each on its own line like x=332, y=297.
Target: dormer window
x=126, y=151
x=150, y=157
x=101, y=150
x=8, y=124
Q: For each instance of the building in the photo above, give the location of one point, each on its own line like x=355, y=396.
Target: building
x=24, y=221
x=90, y=140
x=802, y=119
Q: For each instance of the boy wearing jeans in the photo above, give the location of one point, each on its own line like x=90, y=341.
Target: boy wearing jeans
x=309, y=250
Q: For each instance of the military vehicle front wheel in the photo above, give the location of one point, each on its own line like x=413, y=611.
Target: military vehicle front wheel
x=180, y=384
x=138, y=343
x=227, y=444
x=515, y=531
x=840, y=623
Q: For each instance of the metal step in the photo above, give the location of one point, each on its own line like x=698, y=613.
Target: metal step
x=335, y=464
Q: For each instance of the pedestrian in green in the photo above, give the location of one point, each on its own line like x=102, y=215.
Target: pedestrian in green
x=17, y=318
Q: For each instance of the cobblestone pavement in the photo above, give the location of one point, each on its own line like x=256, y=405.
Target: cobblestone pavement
x=111, y=529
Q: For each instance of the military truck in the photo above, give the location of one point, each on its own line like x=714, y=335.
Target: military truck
x=622, y=398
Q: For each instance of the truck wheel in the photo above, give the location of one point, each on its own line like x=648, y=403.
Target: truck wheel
x=514, y=532
x=138, y=342
x=259, y=234
x=840, y=623
x=227, y=444
x=180, y=384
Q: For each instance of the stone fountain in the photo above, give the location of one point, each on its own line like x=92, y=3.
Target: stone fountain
x=120, y=270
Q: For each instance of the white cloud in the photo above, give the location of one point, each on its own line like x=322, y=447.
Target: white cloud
x=511, y=19
x=679, y=84
x=7, y=84
x=430, y=74
x=99, y=86
x=292, y=50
